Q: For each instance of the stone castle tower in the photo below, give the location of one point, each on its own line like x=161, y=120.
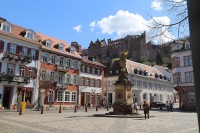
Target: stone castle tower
x=134, y=44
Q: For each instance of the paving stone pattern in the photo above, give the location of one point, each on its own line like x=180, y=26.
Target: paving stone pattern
x=84, y=122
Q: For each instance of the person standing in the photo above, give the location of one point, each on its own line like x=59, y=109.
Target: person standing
x=146, y=109
x=19, y=100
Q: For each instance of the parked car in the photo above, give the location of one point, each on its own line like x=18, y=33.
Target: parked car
x=159, y=105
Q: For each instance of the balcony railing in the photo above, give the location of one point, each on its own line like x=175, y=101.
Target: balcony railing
x=14, y=78
x=16, y=57
x=62, y=69
x=61, y=85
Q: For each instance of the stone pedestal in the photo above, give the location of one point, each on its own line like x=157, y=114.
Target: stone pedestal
x=123, y=99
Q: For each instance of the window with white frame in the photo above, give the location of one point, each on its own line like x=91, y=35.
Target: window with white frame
x=22, y=71
x=61, y=61
x=44, y=57
x=51, y=96
x=68, y=63
x=88, y=69
x=13, y=48
x=53, y=59
x=93, y=70
x=150, y=85
x=61, y=47
x=189, y=77
x=52, y=75
x=187, y=46
x=145, y=84
x=43, y=75
x=99, y=72
x=6, y=28
x=88, y=82
x=31, y=72
x=67, y=96
x=10, y=69
x=24, y=51
x=75, y=64
x=29, y=35
x=177, y=47
x=83, y=68
x=67, y=79
x=73, y=97
x=48, y=44
x=191, y=97
x=74, y=79
x=145, y=96
x=93, y=82
x=72, y=50
x=161, y=97
x=60, y=78
x=83, y=81
x=33, y=53
x=60, y=96
x=97, y=83
x=187, y=60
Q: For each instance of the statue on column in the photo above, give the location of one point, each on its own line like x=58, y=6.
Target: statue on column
x=123, y=75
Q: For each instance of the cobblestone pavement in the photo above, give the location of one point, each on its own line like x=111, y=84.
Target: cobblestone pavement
x=85, y=122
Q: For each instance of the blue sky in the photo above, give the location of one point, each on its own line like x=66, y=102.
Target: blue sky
x=84, y=20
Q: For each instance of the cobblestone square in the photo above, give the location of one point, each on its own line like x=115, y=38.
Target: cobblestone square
x=85, y=122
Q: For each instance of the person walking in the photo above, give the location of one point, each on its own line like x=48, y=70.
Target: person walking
x=167, y=106
x=146, y=109
x=171, y=106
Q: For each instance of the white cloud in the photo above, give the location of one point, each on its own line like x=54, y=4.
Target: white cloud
x=92, y=25
x=156, y=5
x=77, y=28
x=124, y=23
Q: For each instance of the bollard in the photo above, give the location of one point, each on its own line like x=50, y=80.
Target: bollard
x=75, y=109
x=20, y=111
x=85, y=108
x=42, y=110
x=96, y=108
x=107, y=108
x=60, y=109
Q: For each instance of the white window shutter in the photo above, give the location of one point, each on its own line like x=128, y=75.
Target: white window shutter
x=78, y=80
x=41, y=56
x=79, y=65
x=56, y=77
x=71, y=79
x=49, y=58
x=57, y=60
x=65, y=62
x=72, y=64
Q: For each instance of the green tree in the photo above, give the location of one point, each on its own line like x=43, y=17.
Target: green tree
x=159, y=60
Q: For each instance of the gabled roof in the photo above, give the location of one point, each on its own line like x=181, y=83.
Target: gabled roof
x=17, y=33
x=131, y=65
x=55, y=42
x=93, y=63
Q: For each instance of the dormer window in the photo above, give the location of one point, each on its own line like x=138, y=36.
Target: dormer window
x=6, y=28
x=29, y=34
x=72, y=50
x=61, y=47
x=187, y=46
x=48, y=43
x=177, y=47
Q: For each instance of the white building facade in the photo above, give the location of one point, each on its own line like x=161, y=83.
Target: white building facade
x=91, y=89
x=148, y=84
x=19, y=54
x=182, y=71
